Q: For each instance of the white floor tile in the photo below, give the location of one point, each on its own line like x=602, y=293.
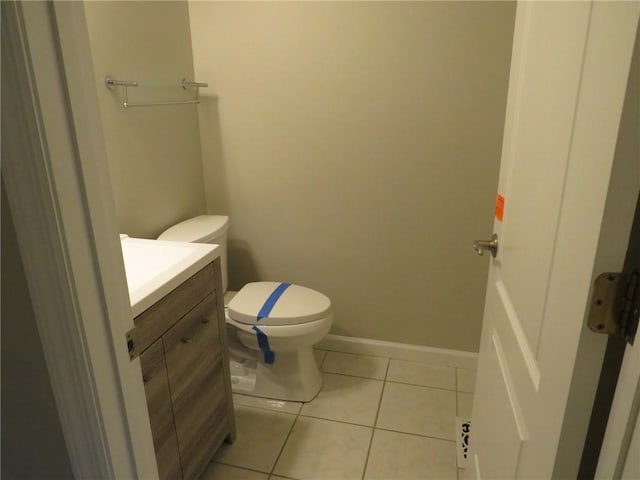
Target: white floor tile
x=422, y=374
x=217, y=471
x=346, y=399
x=357, y=365
x=465, y=402
x=466, y=379
x=331, y=437
x=420, y=410
x=321, y=449
x=268, y=403
x=260, y=436
x=401, y=456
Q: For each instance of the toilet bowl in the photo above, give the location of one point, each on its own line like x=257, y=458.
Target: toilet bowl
x=271, y=326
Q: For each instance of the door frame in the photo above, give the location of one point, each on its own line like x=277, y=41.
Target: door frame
x=58, y=189
x=76, y=277
x=615, y=416
x=622, y=197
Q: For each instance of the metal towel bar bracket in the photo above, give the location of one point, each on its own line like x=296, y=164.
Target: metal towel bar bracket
x=125, y=84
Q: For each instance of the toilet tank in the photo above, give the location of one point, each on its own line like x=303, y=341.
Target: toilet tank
x=203, y=229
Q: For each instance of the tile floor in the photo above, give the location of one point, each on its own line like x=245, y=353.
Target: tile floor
x=375, y=418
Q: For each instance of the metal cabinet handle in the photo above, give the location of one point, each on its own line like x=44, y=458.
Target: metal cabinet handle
x=492, y=245
x=203, y=323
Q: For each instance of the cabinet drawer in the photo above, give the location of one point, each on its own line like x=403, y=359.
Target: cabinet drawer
x=196, y=374
x=156, y=388
x=156, y=320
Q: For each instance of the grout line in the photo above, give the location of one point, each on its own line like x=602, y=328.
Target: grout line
x=358, y=354
x=393, y=381
x=337, y=421
x=375, y=421
x=413, y=434
x=417, y=435
x=331, y=420
x=249, y=469
x=284, y=444
x=354, y=376
x=454, y=389
x=420, y=385
x=298, y=415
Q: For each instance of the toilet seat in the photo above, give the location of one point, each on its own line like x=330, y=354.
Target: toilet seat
x=293, y=304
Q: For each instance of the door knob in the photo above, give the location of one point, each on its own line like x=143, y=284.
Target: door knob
x=492, y=245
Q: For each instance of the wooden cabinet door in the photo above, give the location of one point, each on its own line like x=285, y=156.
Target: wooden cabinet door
x=156, y=387
x=196, y=378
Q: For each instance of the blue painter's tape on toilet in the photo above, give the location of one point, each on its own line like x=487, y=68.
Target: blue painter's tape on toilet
x=271, y=300
x=263, y=343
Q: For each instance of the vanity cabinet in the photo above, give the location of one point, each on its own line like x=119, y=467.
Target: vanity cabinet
x=185, y=368
x=156, y=388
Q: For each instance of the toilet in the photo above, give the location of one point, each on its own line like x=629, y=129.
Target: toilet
x=271, y=326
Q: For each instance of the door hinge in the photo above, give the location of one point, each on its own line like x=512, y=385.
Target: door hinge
x=615, y=304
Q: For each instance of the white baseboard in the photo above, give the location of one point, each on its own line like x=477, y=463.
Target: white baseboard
x=400, y=351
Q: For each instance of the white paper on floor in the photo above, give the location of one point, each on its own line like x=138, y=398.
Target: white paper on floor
x=463, y=428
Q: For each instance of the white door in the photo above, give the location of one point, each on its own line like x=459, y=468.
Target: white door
x=569, y=71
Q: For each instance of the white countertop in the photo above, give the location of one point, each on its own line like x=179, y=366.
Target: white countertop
x=154, y=267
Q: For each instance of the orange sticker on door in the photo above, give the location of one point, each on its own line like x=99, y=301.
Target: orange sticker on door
x=499, y=213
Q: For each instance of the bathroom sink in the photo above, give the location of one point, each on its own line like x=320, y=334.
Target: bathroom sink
x=154, y=267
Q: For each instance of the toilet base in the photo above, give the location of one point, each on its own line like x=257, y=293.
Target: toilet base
x=293, y=376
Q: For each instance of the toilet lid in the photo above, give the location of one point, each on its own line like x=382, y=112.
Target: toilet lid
x=197, y=229
x=277, y=304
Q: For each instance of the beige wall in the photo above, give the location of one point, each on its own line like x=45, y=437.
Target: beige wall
x=154, y=152
x=356, y=146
